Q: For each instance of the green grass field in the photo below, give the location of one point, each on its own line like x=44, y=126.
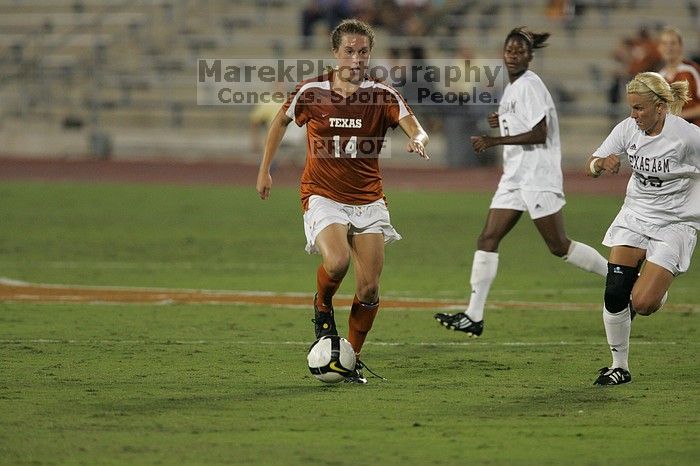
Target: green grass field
x=109, y=383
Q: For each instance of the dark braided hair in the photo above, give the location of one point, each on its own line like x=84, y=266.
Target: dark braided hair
x=533, y=40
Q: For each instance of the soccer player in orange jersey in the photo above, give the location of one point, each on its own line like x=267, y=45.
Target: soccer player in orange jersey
x=676, y=68
x=347, y=116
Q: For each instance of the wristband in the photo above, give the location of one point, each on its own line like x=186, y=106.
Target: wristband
x=592, y=169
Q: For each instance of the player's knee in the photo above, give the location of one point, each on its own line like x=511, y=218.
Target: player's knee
x=615, y=300
x=644, y=303
x=487, y=242
x=558, y=245
x=368, y=292
x=336, y=265
x=618, y=287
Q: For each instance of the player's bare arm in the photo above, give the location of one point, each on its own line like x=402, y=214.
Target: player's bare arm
x=537, y=135
x=599, y=165
x=418, y=138
x=274, y=136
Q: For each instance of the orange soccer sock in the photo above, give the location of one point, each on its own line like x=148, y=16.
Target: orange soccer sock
x=327, y=287
x=360, y=323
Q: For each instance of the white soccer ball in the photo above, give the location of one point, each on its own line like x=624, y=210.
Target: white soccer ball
x=331, y=359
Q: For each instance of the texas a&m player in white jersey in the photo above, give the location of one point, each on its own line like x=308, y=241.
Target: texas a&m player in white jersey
x=656, y=228
x=347, y=116
x=531, y=181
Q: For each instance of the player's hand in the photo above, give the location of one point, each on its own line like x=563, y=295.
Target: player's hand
x=417, y=147
x=481, y=143
x=264, y=184
x=493, y=120
x=609, y=164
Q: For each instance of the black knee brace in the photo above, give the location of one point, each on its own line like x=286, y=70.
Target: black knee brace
x=618, y=286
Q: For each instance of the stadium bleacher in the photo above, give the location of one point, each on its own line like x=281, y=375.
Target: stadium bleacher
x=126, y=70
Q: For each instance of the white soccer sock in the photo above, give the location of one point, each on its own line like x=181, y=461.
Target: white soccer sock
x=617, y=329
x=484, y=268
x=585, y=257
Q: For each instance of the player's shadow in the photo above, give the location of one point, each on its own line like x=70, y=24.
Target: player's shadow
x=177, y=401
x=564, y=402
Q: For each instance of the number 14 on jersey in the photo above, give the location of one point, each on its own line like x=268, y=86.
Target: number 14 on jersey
x=350, y=147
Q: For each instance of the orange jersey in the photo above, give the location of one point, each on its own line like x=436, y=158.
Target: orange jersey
x=344, y=137
x=687, y=71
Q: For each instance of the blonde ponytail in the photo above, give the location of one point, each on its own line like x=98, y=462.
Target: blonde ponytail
x=681, y=95
x=655, y=87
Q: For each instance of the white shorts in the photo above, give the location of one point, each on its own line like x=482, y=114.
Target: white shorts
x=366, y=218
x=537, y=203
x=670, y=246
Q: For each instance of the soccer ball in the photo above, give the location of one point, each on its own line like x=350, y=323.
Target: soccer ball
x=331, y=359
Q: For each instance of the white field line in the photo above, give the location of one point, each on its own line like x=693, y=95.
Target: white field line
x=12, y=282
x=48, y=341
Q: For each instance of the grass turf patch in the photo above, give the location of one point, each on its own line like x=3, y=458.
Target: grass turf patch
x=199, y=384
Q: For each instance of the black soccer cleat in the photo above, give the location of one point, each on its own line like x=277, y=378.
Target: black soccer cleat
x=616, y=376
x=324, y=323
x=461, y=322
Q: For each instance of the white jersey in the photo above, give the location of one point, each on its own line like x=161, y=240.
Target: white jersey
x=665, y=183
x=530, y=167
